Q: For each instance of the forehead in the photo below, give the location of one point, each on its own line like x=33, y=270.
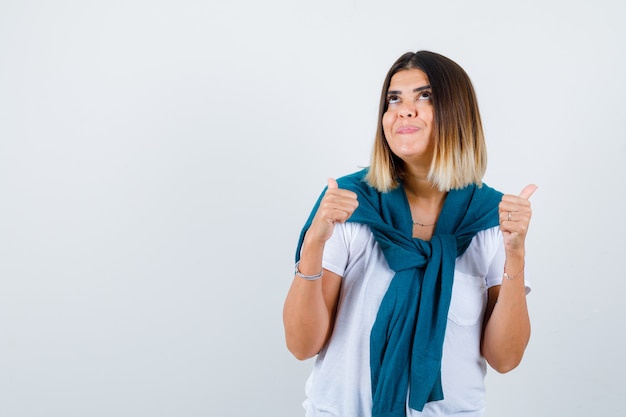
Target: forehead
x=408, y=80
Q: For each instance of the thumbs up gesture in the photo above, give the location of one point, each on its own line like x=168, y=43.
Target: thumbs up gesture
x=515, y=214
x=337, y=205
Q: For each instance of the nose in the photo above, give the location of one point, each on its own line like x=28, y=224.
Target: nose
x=408, y=110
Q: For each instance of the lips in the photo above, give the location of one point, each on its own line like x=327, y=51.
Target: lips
x=407, y=129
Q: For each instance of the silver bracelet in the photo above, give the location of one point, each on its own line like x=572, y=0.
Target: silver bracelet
x=509, y=277
x=308, y=277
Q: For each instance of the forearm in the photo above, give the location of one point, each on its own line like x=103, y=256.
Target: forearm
x=306, y=314
x=309, y=309
x=507, y=329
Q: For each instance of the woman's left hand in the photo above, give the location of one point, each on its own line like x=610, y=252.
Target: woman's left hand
x=515, y=213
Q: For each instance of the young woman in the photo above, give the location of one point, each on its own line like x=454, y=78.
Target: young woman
x=410, y=273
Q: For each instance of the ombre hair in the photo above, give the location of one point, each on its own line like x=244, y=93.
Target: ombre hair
x=460, y=154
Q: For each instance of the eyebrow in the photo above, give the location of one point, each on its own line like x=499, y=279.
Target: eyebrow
x=415, y=90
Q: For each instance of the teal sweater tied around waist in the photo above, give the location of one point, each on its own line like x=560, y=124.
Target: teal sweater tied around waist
x=406, y=340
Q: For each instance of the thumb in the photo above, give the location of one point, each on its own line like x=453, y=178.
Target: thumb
x=332, y=183
x=528, y=191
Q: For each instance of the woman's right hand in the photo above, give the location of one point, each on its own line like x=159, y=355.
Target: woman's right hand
x=336, y=206
x=310, y=306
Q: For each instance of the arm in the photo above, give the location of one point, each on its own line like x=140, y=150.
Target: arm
x=310, y=306
x=506, y=328
x=309, y=310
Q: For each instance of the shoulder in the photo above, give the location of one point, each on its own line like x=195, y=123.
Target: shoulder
x=488, y=240
x=356, y=182
x=482, y=252
x=486, y=193
x=485, y=243
x=353, y=234
x=350, y=242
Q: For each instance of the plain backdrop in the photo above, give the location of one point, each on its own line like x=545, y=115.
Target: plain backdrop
x=158, y=158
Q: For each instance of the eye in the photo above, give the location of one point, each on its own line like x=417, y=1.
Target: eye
x=425, y=95
x=393, y=99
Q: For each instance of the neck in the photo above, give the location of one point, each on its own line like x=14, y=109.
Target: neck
x=423, y=193
x=425, y=202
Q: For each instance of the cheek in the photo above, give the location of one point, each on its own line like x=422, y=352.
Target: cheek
x=388, y=119
x=428, y=114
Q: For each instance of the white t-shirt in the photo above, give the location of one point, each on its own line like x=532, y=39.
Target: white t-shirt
x=340, y=384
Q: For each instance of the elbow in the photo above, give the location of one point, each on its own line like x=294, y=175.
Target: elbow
x=505, y=355
x=300, y=352
x=304, y=343
x=505, y=361
x=302, y=356
x=302, y=347
x=503, y=366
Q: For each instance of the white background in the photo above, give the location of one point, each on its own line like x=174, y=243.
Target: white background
x=158, y=158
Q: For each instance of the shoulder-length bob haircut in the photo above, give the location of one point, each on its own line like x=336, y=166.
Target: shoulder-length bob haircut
x=460, y=154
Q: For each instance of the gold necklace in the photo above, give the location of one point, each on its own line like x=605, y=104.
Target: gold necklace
x=422, y=224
